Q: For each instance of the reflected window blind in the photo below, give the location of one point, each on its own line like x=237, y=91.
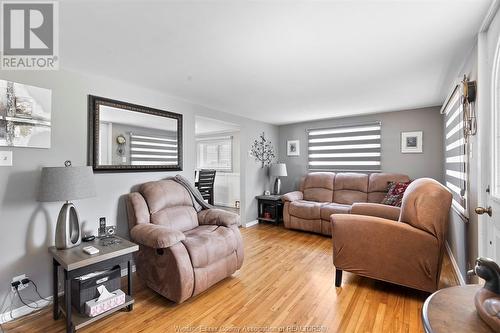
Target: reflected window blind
x=345, y=148
x=152, y=150
x=456, y=155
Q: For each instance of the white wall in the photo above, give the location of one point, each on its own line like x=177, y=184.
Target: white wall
x=28, y=227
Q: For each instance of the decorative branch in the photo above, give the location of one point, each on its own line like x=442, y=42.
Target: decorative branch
x=263, y=151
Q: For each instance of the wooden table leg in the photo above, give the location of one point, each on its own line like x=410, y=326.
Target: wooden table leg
x=67, y=297
x=129, y=287
x=55, y=289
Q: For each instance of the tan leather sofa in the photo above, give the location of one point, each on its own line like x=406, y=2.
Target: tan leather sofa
x=181, y=252
x=322, y=194
x=403, y=246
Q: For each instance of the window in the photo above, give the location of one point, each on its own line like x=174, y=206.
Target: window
x=456, y=154
x=215, y=153
x=345, y=148
x=153, y=150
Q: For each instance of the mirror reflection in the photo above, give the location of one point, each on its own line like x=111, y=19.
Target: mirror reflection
x=126, y=137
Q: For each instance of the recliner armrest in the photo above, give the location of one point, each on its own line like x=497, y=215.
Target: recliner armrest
x=292, y=196
x=376, y=210
x=156, y=236
x=218, y=217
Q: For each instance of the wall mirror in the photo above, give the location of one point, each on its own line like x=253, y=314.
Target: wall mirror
x=129, y=137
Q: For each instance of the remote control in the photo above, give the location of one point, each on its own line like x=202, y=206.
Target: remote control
x=90, y=250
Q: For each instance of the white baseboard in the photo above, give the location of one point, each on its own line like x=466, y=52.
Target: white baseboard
x=455, y=265
x=24, y=310
x=250, y=224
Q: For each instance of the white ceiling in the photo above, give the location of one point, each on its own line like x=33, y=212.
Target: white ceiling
x=277, y=61
x=204, y=126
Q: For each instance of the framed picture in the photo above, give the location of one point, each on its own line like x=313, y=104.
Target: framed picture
x=412, y=142
x=293, y=148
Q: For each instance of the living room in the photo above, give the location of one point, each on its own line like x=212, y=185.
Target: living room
x=261, y=166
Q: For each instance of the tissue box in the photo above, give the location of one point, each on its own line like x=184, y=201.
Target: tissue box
x=94, y=307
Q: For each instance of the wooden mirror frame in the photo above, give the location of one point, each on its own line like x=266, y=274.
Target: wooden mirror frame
x=93, y=135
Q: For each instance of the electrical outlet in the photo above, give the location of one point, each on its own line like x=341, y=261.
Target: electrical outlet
x=19, y=278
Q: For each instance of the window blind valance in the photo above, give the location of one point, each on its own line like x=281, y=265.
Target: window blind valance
x=345, y=148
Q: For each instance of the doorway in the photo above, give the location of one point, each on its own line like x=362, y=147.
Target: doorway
x=218, y=148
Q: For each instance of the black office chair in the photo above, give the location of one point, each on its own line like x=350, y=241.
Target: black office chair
x=205, y=184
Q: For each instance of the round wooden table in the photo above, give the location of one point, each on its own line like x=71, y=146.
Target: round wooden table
x=452, y=310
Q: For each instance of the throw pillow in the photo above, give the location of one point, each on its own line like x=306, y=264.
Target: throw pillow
x=395, y=191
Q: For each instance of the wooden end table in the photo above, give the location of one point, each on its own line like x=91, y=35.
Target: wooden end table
x=452, y=310
x=271, y=204
x=74, y=262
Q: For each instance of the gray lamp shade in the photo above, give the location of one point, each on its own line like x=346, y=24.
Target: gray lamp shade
x=278, y=170
x=66, y=183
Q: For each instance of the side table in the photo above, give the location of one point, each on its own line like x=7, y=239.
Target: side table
x=452, y=310
x=271, y=205
x=74, y=263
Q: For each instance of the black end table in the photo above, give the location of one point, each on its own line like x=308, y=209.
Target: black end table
x=270, y=208
x=75, y=263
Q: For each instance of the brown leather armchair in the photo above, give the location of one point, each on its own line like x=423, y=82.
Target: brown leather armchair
x=181, y=252
x=403, y=246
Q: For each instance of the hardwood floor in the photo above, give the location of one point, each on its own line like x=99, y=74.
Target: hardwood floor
x=286, y=281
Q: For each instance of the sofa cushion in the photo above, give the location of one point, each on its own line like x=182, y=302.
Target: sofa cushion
x=208, y=244
x=318, y=186
x=350, y=188
x=304, y=209
x=334, y=208
x=378, y=182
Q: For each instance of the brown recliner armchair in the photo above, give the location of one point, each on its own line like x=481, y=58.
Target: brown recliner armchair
x=181, y=252
x=403, y=246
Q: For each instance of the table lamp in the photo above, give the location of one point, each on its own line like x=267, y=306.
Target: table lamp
x=65, y=184
x=278, y=170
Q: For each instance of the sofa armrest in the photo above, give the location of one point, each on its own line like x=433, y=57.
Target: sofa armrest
x=218, y=217
x=156, y=236
x=385, y=249
x=376, y=210
x=292, y=196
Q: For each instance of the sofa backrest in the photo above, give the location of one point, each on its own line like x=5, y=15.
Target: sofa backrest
x=318, y=186
x=350, y=188
x=378, y=183
x=169, y=204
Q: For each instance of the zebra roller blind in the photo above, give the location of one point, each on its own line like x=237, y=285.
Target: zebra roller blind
x=153, y=150
x=345, y=148
x=456, y=155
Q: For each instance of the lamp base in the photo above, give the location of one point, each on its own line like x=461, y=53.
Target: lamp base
x=277, y=186
x=67, y=228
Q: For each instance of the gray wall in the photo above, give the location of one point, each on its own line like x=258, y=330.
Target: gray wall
x=28, y=227
x=428, y=164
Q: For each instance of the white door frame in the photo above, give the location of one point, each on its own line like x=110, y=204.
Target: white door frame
x=485, y=105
